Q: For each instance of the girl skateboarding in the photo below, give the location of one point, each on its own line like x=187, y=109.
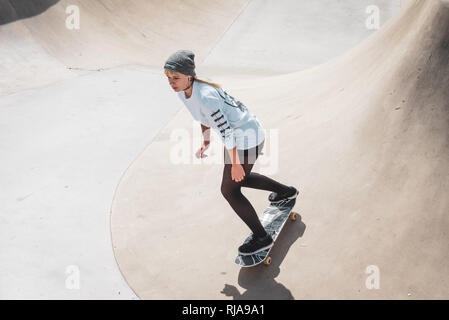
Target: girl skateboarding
x=243, y=137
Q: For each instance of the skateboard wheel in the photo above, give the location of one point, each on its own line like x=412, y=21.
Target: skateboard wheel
x=267, y=261
x=293, y=216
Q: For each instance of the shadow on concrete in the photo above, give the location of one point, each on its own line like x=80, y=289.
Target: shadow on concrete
x=259, y=281
x=12, y=10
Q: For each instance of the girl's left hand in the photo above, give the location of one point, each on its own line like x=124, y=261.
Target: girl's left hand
x=237, y=172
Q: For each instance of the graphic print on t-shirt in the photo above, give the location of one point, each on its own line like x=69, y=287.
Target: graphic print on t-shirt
x=230, y=100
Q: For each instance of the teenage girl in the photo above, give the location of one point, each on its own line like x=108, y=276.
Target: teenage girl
x=243, y=137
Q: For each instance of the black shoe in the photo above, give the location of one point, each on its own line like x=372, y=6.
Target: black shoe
x=292, y=193
x=255, y=245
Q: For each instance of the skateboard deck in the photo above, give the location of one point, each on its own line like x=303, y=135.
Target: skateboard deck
x=273, y=219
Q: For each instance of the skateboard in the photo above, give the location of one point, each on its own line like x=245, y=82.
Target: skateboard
x=273, y=220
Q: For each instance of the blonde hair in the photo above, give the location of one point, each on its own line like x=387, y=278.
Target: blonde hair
x=216, y=85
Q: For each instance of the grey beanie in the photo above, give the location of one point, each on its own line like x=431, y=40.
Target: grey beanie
x=181, y=61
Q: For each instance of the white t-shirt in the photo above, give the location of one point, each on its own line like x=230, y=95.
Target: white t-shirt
x=215, y=108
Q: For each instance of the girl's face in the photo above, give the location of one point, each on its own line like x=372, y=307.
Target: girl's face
x=177, y=81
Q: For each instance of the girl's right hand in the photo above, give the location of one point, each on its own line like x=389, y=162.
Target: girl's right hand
x=200, y=153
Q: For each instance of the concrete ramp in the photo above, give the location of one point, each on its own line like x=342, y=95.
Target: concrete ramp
x=365, y=139
x=42, y=50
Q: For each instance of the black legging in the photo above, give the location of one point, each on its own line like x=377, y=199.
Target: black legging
x=231, y=189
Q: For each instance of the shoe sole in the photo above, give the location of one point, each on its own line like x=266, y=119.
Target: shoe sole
x=286, y=199
x=258, y=250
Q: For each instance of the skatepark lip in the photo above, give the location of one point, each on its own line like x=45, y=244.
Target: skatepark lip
x=20, y=9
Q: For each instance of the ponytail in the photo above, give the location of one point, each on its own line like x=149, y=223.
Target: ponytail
x=216, y=85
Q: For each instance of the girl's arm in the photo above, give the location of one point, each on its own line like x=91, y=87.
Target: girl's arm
x=234, y=156
x=206, y=133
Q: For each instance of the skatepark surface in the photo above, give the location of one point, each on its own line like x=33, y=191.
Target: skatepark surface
x=365, y=139
x=358, y=125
